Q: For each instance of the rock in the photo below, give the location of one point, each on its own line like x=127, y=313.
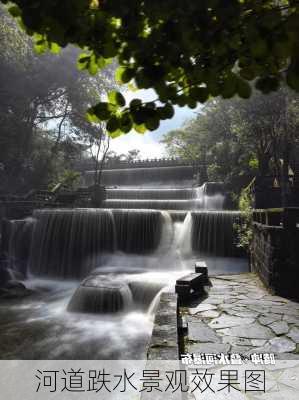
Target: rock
x=260, y=309
x=279, y=327
x=208, y=348
x=227, y=321
x=242, y=314
x=291, y=319
x=258, y=342
x=236, y=341
x=294, y=334
x=269, y=319
x=15, y=292
x=202, y=307
x=209, y=314
x=214, y=300
x=199, y=331
x=11, y=284
x=281, y=345
x=276, y=299
x=252, y=331
x=240, y=349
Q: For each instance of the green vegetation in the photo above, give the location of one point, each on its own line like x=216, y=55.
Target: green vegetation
x=244, y=228
x=43, y=129
x=187, y=51
x=239, y=139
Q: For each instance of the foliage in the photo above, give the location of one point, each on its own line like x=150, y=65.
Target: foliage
x=70, y=179
x=43, y=128
x=186, y=51
x=239, y=139
x=244, y=227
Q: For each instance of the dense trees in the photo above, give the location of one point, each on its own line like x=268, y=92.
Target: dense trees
x=43, y=128
x=242, y=138
x=186, y=51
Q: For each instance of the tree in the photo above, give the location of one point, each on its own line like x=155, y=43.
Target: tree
x=42, y=115
x=185, y=51
x=239, y=139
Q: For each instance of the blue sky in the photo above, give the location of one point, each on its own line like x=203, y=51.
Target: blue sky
x=148, y=143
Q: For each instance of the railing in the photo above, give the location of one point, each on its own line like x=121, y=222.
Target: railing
x=147, y=163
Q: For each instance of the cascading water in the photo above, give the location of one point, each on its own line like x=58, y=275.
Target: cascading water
x=128, y=253
x=145, y=177
x=70, y=243
x=213, y=232
x=16, y=238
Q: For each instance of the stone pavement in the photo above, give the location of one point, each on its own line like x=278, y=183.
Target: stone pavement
x=240, y=316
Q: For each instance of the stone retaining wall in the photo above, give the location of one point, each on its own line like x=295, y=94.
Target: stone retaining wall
x=275, y=255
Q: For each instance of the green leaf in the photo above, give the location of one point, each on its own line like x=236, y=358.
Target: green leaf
x=91, y=117
x=83, y=61
x=116, y=133
x=124, y=75
x=117, y=98
x=101, y=110
x=135, y=103
x=14, y=11
x=113, y=124
x=140, y=128
x=243, y=89
x=55, y=48
x=166, y=112
x=126, y=123
x=199, y=94
x=259, y=48
x=152, y=124
x=93, y=66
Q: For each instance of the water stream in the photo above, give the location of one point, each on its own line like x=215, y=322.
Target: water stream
x=96, y=274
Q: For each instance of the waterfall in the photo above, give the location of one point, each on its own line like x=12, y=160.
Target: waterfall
x=174, y=176
x=70, y=243
x=184, y=235
x=16, y=239
x=213, y=232
x=151, y=194
x=211, y=196
x=151, y=204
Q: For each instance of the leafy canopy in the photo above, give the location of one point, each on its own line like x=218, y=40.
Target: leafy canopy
x=187, y=51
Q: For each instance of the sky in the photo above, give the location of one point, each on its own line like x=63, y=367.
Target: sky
x=149, y=142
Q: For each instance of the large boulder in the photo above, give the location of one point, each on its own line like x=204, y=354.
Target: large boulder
x=99, y=294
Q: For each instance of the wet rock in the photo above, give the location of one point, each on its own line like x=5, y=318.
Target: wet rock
x=209, y=314
x=243, y=314
x=294, y=334
x=240, y=349
x=227, y=321
x=234, y=341
x=269, y=319
x=202, y=307
x=11, y=284
x=291, y=319
x=208, y=348
x=279, y=327
x=281, y=345
x=252, y=331
x=258, y=342
x=199, y=331
x=14, y=290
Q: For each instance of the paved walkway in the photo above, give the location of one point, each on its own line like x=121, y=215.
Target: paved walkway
x=240, y=316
